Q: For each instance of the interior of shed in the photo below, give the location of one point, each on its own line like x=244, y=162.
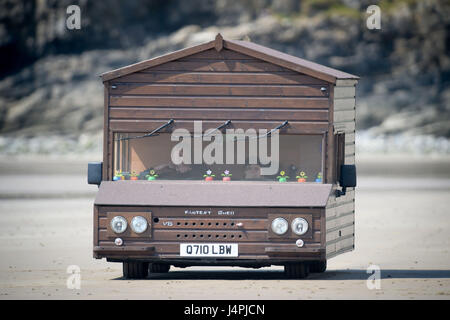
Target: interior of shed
x=299, y=156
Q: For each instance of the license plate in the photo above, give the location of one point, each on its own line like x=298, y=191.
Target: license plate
x=209, y=249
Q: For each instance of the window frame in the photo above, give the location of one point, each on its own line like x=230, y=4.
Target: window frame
x=293, y=128
x=339, y=153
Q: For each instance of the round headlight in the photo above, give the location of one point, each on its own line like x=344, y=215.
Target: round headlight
x=299, y=226
x=118, y=224
x=279, y=226
x=139, y=224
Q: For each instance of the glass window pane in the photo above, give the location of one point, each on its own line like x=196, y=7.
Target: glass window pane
x=300, y=156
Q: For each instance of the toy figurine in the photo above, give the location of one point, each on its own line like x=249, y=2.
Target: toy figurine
x=319, y=177
x=209, y=176
x=282, y=177
x=151, y=176
x=134, y=176
x=302, y=177
x=226, y=175
x=118, y=176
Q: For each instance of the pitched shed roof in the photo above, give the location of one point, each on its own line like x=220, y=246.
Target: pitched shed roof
x=244, y=47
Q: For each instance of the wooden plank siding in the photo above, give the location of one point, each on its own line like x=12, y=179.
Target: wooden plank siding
x=219, y=102
x=340, y=212
x=214, y=86
x=145, y=125
x=211, y=90
x=106, y=169
x=213, y=65
x=219, y=77
x=226, y=55
x=217, y=114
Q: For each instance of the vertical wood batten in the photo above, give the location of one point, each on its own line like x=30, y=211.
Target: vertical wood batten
x=330, y=139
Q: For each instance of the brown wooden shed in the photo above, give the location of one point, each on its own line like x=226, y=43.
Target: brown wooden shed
x=250, y=85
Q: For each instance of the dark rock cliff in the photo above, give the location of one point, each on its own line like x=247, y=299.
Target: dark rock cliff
x=49, y=75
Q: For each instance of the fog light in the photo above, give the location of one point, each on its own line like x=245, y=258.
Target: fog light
x=299, y=243
x=299, y=226
x=139, y=224
x=119, y=224
x=280, y=226
x=118, y=242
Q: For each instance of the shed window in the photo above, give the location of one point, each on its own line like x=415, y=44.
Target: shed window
x=299, y=155
x=340, y=153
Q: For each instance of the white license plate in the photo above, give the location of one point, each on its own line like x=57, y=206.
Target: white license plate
x=209, y=249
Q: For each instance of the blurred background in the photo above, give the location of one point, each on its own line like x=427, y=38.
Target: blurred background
x=403, y=98
x=51, y=118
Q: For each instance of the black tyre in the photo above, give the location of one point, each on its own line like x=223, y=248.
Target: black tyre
x=296, y=270
x=135, y=270
x=318, y=266
x=159, y=268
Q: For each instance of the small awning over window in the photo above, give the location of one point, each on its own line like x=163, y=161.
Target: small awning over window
x=213, y=193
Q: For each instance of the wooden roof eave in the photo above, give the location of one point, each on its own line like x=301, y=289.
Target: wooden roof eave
x=110, y=75
x=285, y=60
x=251, y=49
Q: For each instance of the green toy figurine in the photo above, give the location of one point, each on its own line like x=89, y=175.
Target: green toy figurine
x=282, y=177
x=151, y=176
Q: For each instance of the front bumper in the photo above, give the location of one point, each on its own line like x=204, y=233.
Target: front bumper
x=169, y=227
x=272, y=255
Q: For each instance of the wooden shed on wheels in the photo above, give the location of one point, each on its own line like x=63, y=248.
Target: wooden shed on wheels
x=151, y=213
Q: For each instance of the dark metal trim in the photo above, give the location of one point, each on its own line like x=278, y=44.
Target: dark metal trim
x=153, y=133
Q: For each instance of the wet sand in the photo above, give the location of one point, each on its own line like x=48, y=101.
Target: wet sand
x=402, y=226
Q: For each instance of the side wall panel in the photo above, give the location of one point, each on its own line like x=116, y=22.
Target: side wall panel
x=340, y=212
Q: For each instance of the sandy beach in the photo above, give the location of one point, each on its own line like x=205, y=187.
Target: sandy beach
x=402, y=226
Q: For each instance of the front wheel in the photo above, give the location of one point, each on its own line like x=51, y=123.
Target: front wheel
x=318, y=266
x=159, y=268
x=135, y=270
x=296, y=270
